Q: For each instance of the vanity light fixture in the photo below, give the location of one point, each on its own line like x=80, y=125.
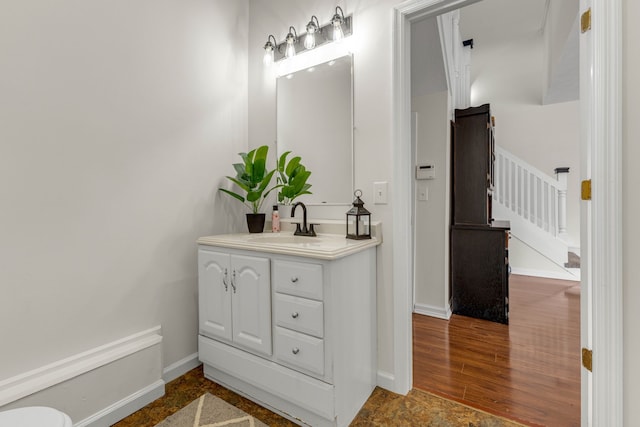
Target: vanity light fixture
x=338, y=28
x=312, y=29
x=268, y=50
x=291, y=40
x=336, y=22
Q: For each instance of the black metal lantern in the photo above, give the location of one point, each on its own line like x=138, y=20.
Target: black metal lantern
x=358, y=220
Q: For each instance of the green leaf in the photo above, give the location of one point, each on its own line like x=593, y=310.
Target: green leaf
x=266, y=180
x=271, y=189
x=239, y=183
x=253, y=196
x=260, y=163
x=232, y=194
x=282, y=161
x=287, y=192
x=300, y=181
x=293, y=164
x=248, y=163
x=240, y=169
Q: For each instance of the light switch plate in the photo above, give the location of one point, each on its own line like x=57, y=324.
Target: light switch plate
x=380, y=193
x=423, y=192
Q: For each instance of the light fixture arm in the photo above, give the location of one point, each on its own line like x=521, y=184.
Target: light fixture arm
x=313, y=26
x=292, y=31
x=341, y=16
x=269, y=44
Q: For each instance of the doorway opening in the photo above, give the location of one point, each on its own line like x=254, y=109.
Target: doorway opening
x=600, y=151
x=535, y=130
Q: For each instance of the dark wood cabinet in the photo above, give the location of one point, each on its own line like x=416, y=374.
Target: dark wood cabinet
x=479, y=245
x=480, y=271
x=472, y=153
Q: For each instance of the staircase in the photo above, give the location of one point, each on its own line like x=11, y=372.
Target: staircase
x=535, y=203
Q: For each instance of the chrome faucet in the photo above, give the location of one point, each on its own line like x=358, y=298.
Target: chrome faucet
x=306, y=230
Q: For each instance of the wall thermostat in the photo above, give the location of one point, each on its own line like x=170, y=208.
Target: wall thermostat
x=426, y=171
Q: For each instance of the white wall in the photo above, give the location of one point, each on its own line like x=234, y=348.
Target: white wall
x=117, y=121
x=631, y=208
x=431, y=266
x=562, y=52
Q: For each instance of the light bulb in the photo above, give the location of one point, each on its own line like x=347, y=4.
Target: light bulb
x=269, y=48
x=312, y=29
x=310, y=41
x=337, y=31
x=290, y=50
x=337, y=21
x=268, y=55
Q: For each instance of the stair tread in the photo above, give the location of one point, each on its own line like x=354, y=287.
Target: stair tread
x=573, y=261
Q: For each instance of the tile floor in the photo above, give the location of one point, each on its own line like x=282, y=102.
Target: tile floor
x=382, y=409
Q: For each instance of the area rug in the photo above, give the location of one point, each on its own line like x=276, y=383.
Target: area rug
x=210, y=411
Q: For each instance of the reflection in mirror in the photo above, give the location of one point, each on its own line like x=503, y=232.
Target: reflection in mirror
x=315, y=121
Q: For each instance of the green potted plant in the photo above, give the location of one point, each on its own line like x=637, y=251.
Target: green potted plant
x=253, y=178
x=292, y=178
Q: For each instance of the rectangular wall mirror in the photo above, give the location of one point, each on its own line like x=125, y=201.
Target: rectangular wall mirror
x=314, y=111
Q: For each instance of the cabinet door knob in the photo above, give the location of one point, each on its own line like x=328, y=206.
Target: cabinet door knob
x=295, y=350
x=295, y=314
x=294, y=279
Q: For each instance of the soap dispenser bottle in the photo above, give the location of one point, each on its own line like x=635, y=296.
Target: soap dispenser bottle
x=275, y=220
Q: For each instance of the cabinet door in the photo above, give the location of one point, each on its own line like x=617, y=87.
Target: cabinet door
x=478, y=274
x=251, y=302
x=472, y=160
x=214, y=285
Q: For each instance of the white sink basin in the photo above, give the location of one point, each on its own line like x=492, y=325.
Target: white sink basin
x=323, y=246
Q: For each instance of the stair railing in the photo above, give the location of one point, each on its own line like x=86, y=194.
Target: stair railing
x=531, y=194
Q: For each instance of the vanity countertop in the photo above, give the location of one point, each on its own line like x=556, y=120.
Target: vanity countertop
x=323, y=246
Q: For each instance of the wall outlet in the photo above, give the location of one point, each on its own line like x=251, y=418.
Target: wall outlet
x=380, y=191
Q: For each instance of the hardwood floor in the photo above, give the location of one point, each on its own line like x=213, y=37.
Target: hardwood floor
x=528, y=371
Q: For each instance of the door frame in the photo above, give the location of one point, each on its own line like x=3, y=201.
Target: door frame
x=601, y=124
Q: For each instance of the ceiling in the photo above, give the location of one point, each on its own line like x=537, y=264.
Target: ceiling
x=491, y=23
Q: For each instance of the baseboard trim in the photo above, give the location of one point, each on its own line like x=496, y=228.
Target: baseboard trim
x=180, y=367
x=433, y=311
x=125, y=407
x=547, y=274
x=386, y=380
x=36, y=380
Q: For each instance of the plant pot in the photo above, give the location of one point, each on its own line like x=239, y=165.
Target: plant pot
x=285, y=210
x=255, y=222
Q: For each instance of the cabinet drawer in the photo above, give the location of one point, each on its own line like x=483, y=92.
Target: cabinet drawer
x=300, y=350
x=300, y=314
x=298, y=278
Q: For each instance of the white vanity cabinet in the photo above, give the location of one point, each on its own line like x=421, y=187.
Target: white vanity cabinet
x=321, y=322
x=235, y=299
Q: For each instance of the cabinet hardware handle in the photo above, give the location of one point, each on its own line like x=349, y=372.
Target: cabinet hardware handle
x=295, y=350
x=225, y=280
x=295, y=314
x=294, y=279
x=233, y=281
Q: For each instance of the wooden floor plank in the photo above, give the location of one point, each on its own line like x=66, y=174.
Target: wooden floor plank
x=528, y=370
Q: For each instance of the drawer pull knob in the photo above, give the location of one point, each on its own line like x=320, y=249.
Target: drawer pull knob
x=295, y=314
x=294, y=279
x=295, y=350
